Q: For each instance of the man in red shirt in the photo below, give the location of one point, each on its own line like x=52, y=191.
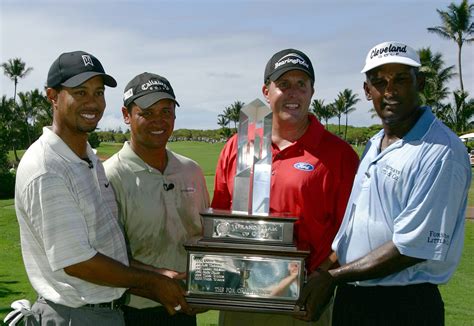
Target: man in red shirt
x=312, y=171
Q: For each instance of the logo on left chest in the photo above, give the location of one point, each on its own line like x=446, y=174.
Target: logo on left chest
x=303, y=166
x=391, y=172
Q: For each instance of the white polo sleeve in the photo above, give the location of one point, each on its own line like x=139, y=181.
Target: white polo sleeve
x=58, y=221
x=431, y=224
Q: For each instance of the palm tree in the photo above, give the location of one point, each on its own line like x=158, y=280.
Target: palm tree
x=223, y=121
x=457, y=26
x=25, y=110
x=344, y=104
x=8, y=120
x=321, y=111
x=232, y=112
x=338, y=107
x=32, y=106
x=458, y=116
x=15, y=69
x=373, y=113
x=350, y=100
x=43, y=113
x=436, y=78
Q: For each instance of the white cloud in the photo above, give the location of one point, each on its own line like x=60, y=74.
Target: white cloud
x=215, y=53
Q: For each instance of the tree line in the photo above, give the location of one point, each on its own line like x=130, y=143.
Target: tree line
x=456, y=25
x=23, y=116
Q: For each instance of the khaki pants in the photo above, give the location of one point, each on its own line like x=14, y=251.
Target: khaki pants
x=237, y=318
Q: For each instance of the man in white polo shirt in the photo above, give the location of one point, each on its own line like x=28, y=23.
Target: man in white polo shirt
x=72, y=244
x=159, y=193
x=403, y=229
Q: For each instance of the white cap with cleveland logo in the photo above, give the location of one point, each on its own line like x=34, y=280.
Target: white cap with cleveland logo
x=391, y=52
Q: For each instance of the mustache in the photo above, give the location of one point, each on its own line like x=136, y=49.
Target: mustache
x=391, y=101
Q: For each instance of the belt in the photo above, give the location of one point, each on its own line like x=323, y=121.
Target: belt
x=112, y=305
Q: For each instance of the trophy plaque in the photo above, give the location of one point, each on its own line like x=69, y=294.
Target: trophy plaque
x=246, y=259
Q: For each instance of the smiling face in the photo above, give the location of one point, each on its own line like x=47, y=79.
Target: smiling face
x=290, y=96
x=393, y=88
x=77, y=110
x=151, y=127
x=293, y=268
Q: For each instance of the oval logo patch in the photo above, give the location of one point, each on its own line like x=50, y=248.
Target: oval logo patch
x=303, y=166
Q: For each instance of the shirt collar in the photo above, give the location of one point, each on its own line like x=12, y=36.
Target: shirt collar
x=418, y=131
x=310, y=139
x=421, y=127
x=136, y=164
x=313, y=135
x=61, y=148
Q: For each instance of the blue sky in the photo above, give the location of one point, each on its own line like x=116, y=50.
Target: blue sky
x=214, y=52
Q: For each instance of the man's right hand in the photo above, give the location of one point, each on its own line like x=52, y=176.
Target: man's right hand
x=170, y=294
x=146, y=283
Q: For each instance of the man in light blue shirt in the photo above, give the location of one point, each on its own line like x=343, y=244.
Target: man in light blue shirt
x=403, y=229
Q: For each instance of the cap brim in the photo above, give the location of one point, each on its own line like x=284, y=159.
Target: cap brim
x=277, y=74
x=148, y=100
x=85, y=76
x=390, y=59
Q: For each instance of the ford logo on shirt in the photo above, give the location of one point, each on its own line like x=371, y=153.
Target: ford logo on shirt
x=303, y=166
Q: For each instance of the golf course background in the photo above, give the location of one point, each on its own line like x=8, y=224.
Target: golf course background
x=457, y=294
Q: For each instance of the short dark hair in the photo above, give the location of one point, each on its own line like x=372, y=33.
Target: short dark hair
x=130, y=106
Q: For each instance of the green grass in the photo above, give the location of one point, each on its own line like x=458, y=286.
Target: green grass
x=203, y=153
x=13, y=280
x=14, y=284
x=470, y=195
x=457, y=294
x=106, y=150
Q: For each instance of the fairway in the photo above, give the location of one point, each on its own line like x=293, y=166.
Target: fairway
x=205, y=154
x=14, y=284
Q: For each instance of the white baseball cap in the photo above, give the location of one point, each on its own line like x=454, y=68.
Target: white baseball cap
x=391, y=52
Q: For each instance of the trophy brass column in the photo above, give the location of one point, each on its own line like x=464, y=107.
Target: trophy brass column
x=246, y=259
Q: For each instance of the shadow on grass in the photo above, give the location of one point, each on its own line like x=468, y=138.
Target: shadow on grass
x=6, y=288
x=5, y=310
x=5, y=291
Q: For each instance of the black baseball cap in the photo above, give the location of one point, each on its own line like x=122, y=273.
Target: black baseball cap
x=286, y=60
x=71, y=69
x=146, y=89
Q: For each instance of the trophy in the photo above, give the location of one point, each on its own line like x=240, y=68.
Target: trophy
x=246, y=259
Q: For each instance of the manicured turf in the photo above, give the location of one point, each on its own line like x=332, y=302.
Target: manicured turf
x=14, y=284
x=205, y=154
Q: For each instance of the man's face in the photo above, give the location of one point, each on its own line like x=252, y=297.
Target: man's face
x=290, y=96
x=393, y=89
x=78, y=109
x=151, y=127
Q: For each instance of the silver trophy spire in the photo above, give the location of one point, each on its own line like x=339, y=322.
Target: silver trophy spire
x=254, y=160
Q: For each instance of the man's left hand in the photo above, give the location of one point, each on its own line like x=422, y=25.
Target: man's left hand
x=316, y=295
